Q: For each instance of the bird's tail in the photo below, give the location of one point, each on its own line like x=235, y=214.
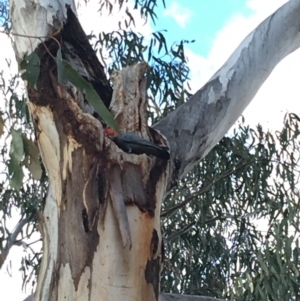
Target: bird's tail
x=163, y=152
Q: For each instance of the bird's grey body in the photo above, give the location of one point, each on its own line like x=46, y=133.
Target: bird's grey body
x=135, y=144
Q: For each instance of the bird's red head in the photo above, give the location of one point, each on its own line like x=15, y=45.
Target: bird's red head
x=109, y=132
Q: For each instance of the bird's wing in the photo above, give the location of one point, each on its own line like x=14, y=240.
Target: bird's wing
x=139, y=140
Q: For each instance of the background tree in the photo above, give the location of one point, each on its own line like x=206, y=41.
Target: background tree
x=241, y=176
x=218, y=249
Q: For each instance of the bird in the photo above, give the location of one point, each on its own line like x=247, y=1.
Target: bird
x=134, y=144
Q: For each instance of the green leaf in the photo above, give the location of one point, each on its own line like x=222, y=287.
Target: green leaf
x=31, y=149
x=12, y=165
x=16, y=179
x=262, y=263
x=250, y=283
x=60, y=68
x=32, y=161
x=16, y=155
x=91, y=95
x=35, y=169
x=31, y=65
x=1, y=125
x=17, y=148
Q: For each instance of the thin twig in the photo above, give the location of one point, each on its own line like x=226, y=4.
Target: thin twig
x=35, y=37
x=12, y=238
x=179, y=232
x=52, y=36
x=201, y=191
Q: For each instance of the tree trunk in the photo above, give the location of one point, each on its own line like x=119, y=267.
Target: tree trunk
x=101, y=227
x=101, y=221
x=101, y=235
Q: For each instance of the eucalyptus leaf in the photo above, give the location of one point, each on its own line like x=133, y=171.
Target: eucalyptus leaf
x=35, y=169
x=33, y=164
x=17, y=178
x=60, y=68
x=12, y=165
x=31, y=149
x=17, y=148
x=31, y=65
x=91, y=95
x=1, y=125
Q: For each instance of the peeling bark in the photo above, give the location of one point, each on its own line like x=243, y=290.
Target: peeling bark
x=118, y=204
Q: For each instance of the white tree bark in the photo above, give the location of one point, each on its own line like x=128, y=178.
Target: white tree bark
x=93, y=260
x=34, y=21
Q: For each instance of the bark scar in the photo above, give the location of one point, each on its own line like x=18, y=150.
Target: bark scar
x=118, y=204
x=90, y=197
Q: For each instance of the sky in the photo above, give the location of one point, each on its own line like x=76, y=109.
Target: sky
x=198, y=20
x=217, y=26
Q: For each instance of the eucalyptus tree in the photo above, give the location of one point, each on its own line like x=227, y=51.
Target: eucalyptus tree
x=101, y=218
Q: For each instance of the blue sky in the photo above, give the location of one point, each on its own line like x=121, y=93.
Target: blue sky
x=199, y=20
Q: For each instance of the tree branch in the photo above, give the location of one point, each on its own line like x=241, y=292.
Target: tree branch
x=203, y=189
x=198, y=125
x=12, y=239
x=179, y=232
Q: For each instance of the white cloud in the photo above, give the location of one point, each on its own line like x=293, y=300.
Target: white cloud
x=180, y=14
x=93, y=20
x=10, y=275
x=265, y=8
x=7, y=57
